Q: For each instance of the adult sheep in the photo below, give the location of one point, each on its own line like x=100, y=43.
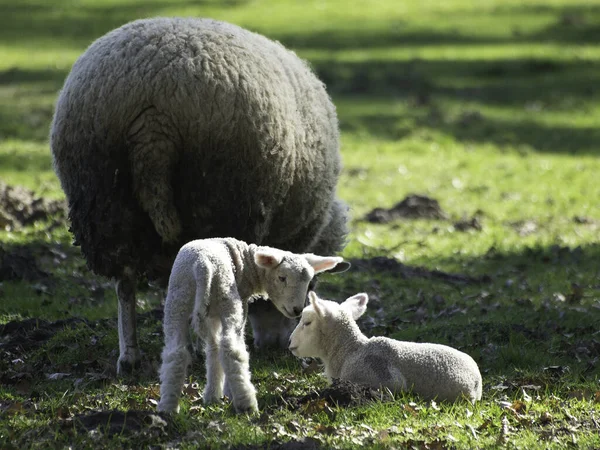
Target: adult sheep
x=171, y=129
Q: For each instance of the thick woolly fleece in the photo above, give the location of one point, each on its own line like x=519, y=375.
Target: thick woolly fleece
x=173, y=129
x=431, y=370
x=211, y=282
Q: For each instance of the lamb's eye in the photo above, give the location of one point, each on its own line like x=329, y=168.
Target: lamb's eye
x=282, y=279
x=307, y=323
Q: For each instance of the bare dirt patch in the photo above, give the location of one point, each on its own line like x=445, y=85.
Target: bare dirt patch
x=20, y=207
x=118, y=422
x=412, y=207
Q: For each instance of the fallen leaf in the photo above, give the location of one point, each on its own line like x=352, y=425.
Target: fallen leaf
x=13, y=408
x=315, y=406
x=62, y=412
x=472, y=430
x=57, y=376
x=576, y=293
x=312, y=367
x=518, y=406
x=325, y=429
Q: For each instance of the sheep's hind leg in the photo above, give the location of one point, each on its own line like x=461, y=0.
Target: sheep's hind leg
x=129, y=352
x=153, y=154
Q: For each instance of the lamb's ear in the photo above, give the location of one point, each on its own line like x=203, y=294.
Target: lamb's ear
x=340, y=267
x=357, y=305
x=268, y=258
x=314, y=301
x=322, y=263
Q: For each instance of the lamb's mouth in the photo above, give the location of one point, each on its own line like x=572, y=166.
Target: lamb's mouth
x=293, y=350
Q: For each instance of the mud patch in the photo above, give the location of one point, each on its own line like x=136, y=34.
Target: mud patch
x=22, y=364
x=20, y=207
x=385, y=264
x=119, y=422
x=306, y=443
x=474, y=223
x=412, y=207
x=20, y=263
x=343, y=393
x=21, y=336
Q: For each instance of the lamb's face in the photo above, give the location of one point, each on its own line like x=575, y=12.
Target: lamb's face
x=322, y=318
x=288, y=277
x=287, y=285
x=305, y=340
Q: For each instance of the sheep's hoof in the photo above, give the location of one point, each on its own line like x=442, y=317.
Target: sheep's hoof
x=126, y=367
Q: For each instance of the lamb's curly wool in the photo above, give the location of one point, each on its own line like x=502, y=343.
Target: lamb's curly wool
x=211, y=282
x=173, y=129
x=328, y=331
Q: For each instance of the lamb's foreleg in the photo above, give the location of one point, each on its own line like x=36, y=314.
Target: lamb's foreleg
x=129, y=352
x=234, y=356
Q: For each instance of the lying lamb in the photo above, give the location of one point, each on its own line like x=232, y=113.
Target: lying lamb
x=212, y=281
x=328, y=331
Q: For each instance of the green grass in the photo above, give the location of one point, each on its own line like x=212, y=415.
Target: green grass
x=492, y=108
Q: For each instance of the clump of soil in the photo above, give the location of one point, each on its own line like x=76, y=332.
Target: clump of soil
x=118, y=422
x=468, y=224
x=412, y=207
x=346, y=393
x=23, y=335
x=305, y=443
x=20, y=263
x=20, y=207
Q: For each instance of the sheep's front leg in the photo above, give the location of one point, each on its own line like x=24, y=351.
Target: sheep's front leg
x=213, y=392
x=129, y=352
x=235, y=358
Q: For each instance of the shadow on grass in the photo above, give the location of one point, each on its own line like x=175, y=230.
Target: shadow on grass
x=531, y=86
x=577, y=23
x=537, y=320
x=58, y=21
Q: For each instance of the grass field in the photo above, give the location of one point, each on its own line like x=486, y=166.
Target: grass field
x=492, y=108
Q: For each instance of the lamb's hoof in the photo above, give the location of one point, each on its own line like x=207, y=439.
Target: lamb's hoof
x=127, y=365
x=246, y=406
x=212, y=397
x=168, y=406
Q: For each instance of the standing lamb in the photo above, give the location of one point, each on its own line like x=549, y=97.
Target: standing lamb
x=172, y=129
x=328, y=331
x=212, y=281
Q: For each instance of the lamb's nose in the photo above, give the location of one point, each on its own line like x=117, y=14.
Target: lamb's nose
x=297, y=311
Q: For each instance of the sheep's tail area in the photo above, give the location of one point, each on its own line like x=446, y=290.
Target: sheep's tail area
x=106, y=220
